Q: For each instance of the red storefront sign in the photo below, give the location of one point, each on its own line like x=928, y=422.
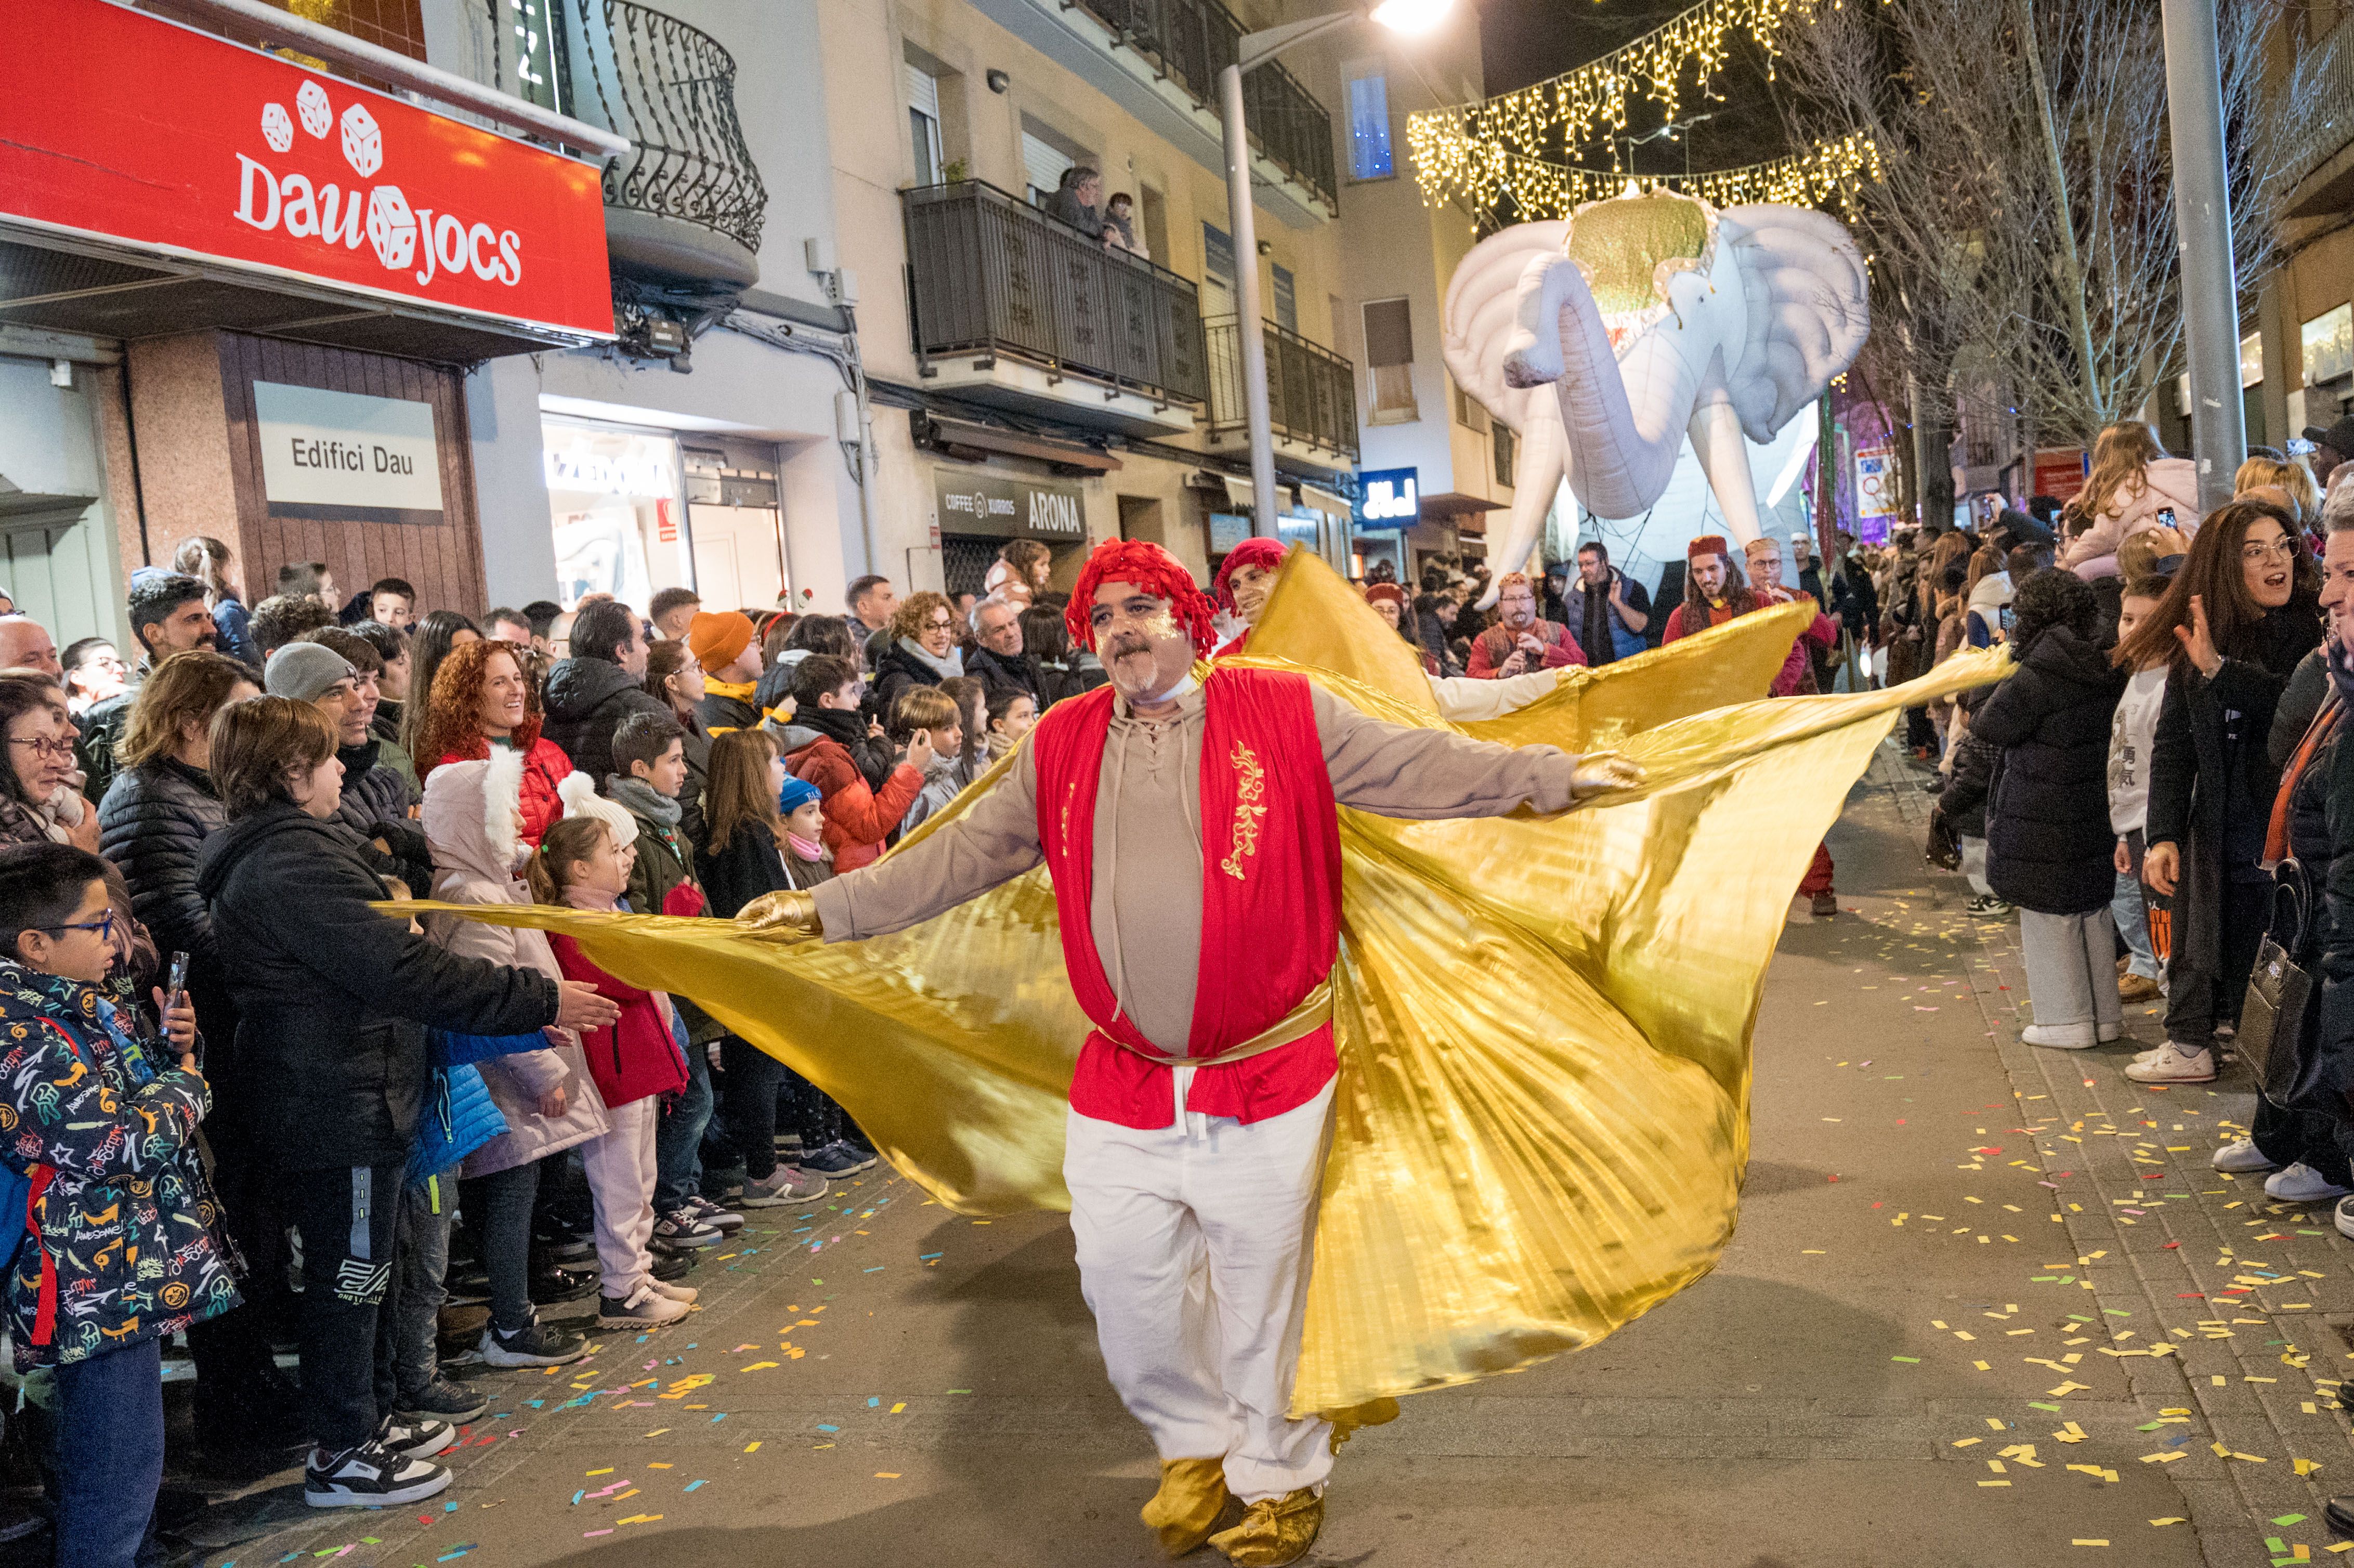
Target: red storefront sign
x=127, y=127
x=2058, y=471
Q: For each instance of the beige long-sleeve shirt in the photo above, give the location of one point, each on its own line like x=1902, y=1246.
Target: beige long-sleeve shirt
x=1147, y=902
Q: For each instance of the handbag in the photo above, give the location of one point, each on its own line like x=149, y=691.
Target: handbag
x=2276, y=1017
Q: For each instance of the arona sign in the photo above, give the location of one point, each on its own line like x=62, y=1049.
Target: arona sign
x=122, y=126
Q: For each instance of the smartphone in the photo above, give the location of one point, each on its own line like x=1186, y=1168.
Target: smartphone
x=176, y=986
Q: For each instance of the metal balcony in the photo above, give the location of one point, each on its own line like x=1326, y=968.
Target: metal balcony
x=2310, y=146
x=991, y=278
x=1311, y=394
x=684, y=207
x=1193, y=40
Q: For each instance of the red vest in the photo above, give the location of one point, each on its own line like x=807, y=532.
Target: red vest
x=1270, y=900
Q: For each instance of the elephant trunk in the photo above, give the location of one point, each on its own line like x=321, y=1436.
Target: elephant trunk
x=1623, y=422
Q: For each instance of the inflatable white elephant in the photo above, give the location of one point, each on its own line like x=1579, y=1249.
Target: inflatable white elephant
x=1652, y=318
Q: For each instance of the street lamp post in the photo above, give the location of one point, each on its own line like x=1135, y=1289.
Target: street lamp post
x=2202, y=219
x=1253, y=50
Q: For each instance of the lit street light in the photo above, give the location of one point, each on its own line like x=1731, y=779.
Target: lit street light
x=1405, y=17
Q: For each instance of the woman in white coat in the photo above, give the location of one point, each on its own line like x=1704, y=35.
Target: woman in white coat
x=473, y=819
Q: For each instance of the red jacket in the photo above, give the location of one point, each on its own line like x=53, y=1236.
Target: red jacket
x=635, y=1057
x=857, y=818
x=1493, y=646
x=543, y=768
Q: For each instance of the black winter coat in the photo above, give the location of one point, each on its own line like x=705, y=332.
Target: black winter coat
x=1000, y=672
x=1963, y=801
x=894, y=672
x=151, y=826
x=586, y=700
x=331, y=995
x=2048, y=839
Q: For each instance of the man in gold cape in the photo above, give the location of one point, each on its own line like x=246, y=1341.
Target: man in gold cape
x=1540, y=1024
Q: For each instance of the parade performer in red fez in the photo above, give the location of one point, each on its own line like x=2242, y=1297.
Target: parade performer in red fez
x=1187, y=817
x=1241, y=587
x=1714, y=594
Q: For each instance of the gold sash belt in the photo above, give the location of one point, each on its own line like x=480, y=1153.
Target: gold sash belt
x=1313, y=1013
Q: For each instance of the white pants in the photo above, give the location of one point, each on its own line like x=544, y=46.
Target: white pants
x=2072, y=968
x=1194, y=1244
x=621, y=1167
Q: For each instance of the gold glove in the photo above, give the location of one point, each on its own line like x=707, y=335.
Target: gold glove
x=789, y=914
x=1601, y=770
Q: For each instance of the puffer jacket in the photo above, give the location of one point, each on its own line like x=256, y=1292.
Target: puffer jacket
x=333, y=999
x=586, y=700
x=122, y=1245
x=2049, y=846
x=375, y=805
x=944, y=780
x=469, y=819
x=545, y=766
x=858, y=817
x=460, y=1118
x=151, y=827
x=2168, y=485
x=728, y=705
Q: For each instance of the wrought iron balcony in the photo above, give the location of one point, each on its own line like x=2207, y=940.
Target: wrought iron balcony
x=1311, y=392
x=991, y=275
x=1192, y=40
x=684, y=206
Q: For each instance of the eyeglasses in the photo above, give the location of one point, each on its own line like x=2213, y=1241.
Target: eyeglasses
x=939, y=625
x=43, y=747
x=2274, y=549
x=103, y=925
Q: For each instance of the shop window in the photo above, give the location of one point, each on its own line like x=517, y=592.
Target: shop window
x=1369, y=127
x=1389, y=362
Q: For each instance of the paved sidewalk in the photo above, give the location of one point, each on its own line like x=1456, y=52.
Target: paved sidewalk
x=1904, y=1358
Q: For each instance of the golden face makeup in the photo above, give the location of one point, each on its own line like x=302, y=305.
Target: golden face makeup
x=1144, y=650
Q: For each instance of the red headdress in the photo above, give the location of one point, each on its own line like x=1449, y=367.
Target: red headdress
x=1376, y=592
x=1154, y=570
x=1707, y=545
x=1265, y=554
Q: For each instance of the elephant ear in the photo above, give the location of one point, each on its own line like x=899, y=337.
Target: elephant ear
x=1481, y=301
x=1808, y=310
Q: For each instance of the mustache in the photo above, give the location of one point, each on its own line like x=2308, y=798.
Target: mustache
x=1121, y=644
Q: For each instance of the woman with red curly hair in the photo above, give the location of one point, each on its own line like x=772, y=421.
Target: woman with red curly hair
x=482, y=698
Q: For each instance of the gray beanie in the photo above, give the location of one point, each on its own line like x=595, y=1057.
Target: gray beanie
x=304, y=670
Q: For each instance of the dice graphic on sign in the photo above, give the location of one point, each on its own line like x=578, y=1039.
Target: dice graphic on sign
x=310, y=103
x=363, y=142
x=391, y=227
x=277, y=127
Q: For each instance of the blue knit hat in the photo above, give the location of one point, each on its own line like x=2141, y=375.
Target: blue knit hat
x=797, y=793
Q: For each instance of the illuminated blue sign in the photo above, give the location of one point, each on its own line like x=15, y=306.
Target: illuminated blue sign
x=1388, y=498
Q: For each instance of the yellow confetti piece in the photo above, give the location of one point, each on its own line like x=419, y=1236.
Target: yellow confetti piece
x=887, y=1475
x=898, y=1407
x=751, y=1447
x=639, y=1518
x=758, y=1366
x=605, y=1471
x=1994, y=1483
x=2160, y=1459
x=2081, y=1541
x=2162, y=1523
x=2306, y=1467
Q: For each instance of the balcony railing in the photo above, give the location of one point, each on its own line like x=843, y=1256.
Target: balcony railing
x=640, y=73
x=2313, y=115
x=992, y=275
x=1192, y=40
x=1311, y=392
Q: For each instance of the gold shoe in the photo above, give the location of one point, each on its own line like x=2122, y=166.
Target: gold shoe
x=1185, y=1509
x=1274, y=1531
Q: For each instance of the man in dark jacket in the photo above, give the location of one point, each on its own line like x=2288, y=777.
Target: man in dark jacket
x=375, y=799
x=998, y=659
x=331, y=998
x=168, y=616
x=589, y=694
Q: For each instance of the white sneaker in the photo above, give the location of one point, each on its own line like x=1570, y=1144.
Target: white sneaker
x=2173, y=1064
x=2343, y=1220
x=2301, y=1183
x=2061, y=1036
x=649, y=1308
x=2241, y=1158
x=683, y=1295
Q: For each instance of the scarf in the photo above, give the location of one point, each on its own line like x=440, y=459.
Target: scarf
x=740, y=690
x=802, y=848
x=638, y=796
x=944, y=668
x=845, y=725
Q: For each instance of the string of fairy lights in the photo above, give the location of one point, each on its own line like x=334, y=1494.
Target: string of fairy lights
x=1511, y=146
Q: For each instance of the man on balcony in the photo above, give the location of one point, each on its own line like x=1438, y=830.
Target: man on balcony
x=1078, y=201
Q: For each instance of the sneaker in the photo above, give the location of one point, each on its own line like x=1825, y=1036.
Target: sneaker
x=784, y=1186
x=2242, y=1157
x=683, y=1230
x=683, y=1295
x=2138, y=988
x=674, y=1265
x=649, y=1308
x=533, y=1345
x=2301, y=1183
x=839, y=1158
x=1987, y=905
x=369, y=1476
x=724, y=1221
x=441, y=1400
x=2173, y=1064
x=2343, y=1220
x=1826, y=905
x=416, y=1440
x=2061, y=1037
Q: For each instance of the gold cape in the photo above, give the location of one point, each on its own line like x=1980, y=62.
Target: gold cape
x=1544, y=1023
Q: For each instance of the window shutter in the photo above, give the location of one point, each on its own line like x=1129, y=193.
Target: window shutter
x=1043, y=164
x=1389, y=333
x=923, y=91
